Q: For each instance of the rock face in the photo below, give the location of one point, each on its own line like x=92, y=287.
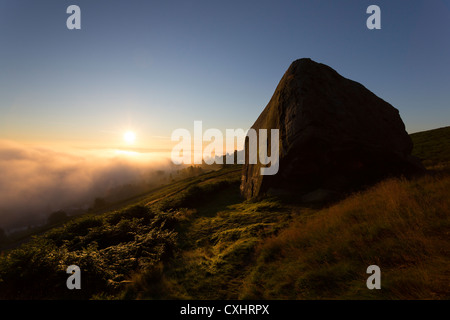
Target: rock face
x=335, y=135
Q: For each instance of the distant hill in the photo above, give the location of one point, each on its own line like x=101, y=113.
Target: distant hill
x=196, y=238
x=432, y=146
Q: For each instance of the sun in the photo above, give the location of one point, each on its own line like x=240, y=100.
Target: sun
x=129, y=137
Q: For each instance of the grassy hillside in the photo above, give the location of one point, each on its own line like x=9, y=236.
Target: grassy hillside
x=401, y=226
x=197, y=239
x=432, y=147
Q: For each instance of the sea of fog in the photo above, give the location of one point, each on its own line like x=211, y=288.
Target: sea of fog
x=36, y=181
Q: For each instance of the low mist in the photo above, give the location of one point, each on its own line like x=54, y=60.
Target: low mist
x=36, y=181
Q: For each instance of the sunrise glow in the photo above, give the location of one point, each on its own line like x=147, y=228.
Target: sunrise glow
x=129, y=137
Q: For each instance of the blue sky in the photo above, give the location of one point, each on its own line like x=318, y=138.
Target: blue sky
x=155, y=66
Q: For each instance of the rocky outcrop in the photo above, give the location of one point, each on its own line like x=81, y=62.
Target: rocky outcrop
x=335, y=135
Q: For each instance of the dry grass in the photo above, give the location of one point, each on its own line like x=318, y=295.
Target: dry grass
x=401, y=226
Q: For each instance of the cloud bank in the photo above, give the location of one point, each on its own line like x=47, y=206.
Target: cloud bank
x=35, y=181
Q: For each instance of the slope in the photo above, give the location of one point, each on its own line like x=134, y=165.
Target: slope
x=198, y=239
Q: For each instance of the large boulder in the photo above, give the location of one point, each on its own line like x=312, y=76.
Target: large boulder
x=334, y=136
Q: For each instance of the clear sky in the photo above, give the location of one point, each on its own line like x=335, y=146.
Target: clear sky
x=155, y=66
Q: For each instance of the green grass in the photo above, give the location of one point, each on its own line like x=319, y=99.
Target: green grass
x=216, y=243
x=218, y=250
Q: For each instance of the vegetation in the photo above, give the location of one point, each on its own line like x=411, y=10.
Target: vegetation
x=401, y=226
x=432, y=147
x=106, y=248
x=216, y=252
x=197, y=239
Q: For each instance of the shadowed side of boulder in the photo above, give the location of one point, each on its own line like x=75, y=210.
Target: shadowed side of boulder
x=334, y=134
